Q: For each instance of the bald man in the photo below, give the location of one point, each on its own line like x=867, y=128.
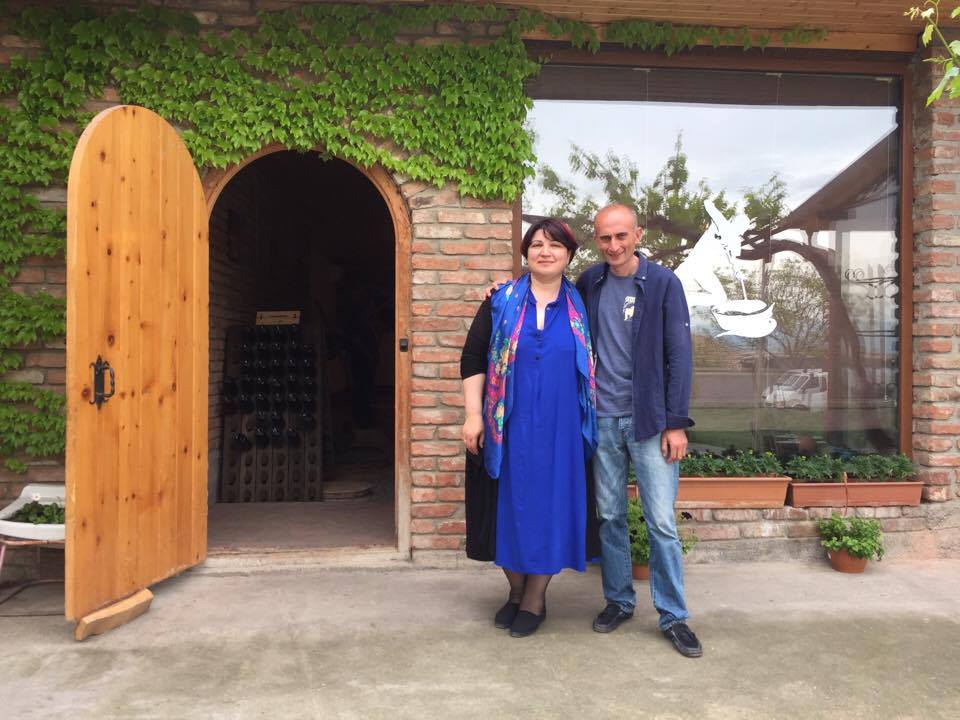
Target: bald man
x=641, y=332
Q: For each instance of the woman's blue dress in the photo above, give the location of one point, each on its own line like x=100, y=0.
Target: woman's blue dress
x=541, y=506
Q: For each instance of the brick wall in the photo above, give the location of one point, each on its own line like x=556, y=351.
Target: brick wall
x=936, y=283
x=460, y=246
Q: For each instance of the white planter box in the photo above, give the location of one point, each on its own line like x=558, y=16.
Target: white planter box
x=28, y=531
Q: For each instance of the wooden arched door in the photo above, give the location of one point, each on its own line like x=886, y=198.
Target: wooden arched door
x=137, y=353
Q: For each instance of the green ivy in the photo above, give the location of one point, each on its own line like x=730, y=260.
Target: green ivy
x=349, y=79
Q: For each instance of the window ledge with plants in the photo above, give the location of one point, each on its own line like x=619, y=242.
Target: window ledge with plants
x=747, y=480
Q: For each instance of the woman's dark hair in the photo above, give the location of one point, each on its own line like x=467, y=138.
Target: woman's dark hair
x=556, y=230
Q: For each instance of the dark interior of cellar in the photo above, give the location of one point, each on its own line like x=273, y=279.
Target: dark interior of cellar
x=301, y=408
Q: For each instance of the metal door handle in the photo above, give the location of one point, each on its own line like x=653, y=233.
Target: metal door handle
x=99, y=396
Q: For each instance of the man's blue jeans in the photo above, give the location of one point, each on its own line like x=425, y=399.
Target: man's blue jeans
x=658, y=481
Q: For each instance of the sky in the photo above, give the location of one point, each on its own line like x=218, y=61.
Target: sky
x=732, y=147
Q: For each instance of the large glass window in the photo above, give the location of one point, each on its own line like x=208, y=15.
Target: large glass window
x=775, y=199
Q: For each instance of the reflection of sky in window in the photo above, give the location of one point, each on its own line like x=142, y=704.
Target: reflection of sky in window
x=732, y=148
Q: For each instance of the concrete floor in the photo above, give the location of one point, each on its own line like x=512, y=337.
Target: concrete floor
x=263, y=527
x=781, y=640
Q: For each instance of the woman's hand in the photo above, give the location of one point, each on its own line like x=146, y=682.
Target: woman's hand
x=473, y=433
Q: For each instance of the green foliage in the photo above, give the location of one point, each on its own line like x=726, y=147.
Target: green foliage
x=880, y=467
x=819, y=468
x=860, y=537
x=742, y=463
x=640, y=540
x=348, y=79
x=40, y=514
x=949, y=65
x=32, y=423
x=672, y=38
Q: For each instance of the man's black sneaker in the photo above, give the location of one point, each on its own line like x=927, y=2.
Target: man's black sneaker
x=506, y=615
x=610, y=618
x=526, y=623
x=684, y=640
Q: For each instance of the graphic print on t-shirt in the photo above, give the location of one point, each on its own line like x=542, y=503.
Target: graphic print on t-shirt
x=628, y=302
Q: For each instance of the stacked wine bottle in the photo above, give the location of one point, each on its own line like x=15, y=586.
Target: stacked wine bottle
x=271, y=433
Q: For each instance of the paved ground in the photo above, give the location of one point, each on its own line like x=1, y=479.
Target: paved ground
x=782, y=640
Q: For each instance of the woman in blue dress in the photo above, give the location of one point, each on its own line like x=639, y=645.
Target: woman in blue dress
x=530, y=406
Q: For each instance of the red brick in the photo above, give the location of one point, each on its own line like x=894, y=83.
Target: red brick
x=451, y=494
x=433, y=511
x=431, y=355
x=939, y=345
x=436, y=542
x=423, y=400
x=423, y=463
x=937, y=428
x=464, y=247
x=56, y=377
x=423, y=432
x=423, y=247
x=940, y=362
x=29, y=275
x=431, y=262
x=458, y=309
x=501, y=217
x=933, y=222
x=494, y=232
x=437, y=292
x=717, y=532
x=941, y=310
x=437, y=324
x=449, y=479
x=935, y=477
x=933, y=444
x=923, y=458
x=422, y=479
x=452, y=527
x=490, y=262
x=57, y=277
x=937, y=494
x=932, y=412
x=423, y=495
x=454, y=464
x=450, y=432
x=422, y=526
x=464, y=277
x=944, y=118
x=452, y=340
x=735, y=515
x=450, y=370
x=939, y=276
x=454, y=400
x=462, y=217
x=936, y=295
x=935, y=259
x=435, y=448
x=437, y=385
x=424, y=340
x=903, y=524
x=434, y=417
x=802, y=529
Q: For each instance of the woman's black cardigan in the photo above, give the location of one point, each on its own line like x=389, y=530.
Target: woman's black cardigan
x=480, y=490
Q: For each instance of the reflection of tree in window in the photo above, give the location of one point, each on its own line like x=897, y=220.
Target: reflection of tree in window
x=806, y=293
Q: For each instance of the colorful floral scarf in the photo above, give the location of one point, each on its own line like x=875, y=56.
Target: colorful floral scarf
x=508, y=307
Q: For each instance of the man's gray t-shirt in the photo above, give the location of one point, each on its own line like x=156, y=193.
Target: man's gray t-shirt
x=614, y=357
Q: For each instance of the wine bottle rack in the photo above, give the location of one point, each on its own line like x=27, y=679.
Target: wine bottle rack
x=271, y=403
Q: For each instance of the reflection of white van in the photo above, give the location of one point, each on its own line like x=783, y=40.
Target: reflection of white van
x=802, y=389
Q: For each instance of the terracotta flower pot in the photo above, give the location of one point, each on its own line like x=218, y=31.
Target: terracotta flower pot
x=842, y=561
x=641, y=572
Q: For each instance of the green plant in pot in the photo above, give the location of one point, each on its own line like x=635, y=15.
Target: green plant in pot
x=869, y=480
x=851, y=541
x=640, y=540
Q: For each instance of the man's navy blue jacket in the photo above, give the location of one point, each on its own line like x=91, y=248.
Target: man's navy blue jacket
x=662, y=349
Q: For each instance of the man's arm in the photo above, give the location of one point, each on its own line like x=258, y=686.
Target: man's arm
x=678, y=353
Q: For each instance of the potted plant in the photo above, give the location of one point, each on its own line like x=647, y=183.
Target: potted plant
x=850, y=542
x=740, y=479
x=815, y=481
x=860, y=481
x=640, y=541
